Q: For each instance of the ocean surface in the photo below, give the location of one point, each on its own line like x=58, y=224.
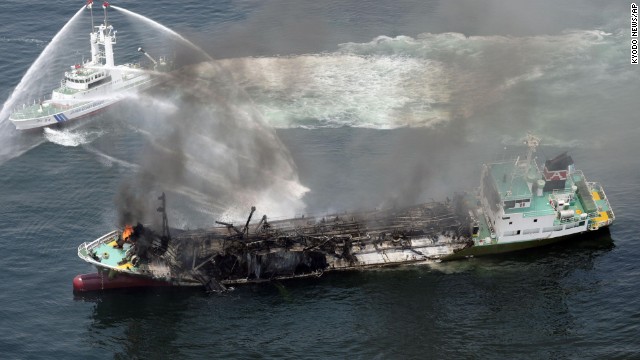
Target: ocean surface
x=315, y=107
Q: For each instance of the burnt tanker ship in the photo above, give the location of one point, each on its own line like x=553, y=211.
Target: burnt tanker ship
x=518, y=205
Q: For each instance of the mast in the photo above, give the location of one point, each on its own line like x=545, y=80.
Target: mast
x=522, y=169
x=166, y=235
x=105, y=5
x=107, y=38
x=532, y=142
x=90, y=7
x=93, y=37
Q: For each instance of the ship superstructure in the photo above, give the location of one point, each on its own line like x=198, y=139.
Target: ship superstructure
x=90, y=86
x=517, y=206
x=522, y=205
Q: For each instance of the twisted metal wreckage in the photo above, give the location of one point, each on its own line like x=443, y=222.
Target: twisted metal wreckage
x=292, y=248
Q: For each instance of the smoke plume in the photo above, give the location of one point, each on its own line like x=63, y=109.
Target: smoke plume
x=479, y=84
x=207, y=145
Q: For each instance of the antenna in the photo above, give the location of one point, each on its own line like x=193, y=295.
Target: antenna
x=90, y=7
x=532, y=142
x=105, y=5
x=166, y=235
x=513, y=174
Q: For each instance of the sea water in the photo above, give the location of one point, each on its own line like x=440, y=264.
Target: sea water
x=373, y=103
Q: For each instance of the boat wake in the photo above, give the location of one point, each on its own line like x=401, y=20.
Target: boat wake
x=71, y=138
x=24, y=40
x=393, y=82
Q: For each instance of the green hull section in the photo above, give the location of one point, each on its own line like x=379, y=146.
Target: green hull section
x=484, y=250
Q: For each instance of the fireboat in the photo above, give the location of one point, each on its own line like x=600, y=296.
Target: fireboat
x=93, y=85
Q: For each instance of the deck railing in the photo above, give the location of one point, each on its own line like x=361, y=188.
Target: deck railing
x=595, y=186
x=86, y=246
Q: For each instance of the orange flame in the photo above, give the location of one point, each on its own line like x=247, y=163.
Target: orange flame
x=128, y=231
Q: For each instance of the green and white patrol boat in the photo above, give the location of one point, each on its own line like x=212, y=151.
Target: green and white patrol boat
x=92, y=85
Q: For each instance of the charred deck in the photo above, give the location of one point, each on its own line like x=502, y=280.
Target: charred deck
x=299, y=247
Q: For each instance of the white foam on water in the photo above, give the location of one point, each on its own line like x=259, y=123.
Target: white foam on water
x=71, y=138
x=401, y=81
x=334, y=90
x=24, y=40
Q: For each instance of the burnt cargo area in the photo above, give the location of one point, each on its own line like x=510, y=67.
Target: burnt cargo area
x=305, y=246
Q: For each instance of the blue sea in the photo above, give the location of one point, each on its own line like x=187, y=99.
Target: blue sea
x=302, y=107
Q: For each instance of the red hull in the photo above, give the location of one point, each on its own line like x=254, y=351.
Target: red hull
x=101, y=281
